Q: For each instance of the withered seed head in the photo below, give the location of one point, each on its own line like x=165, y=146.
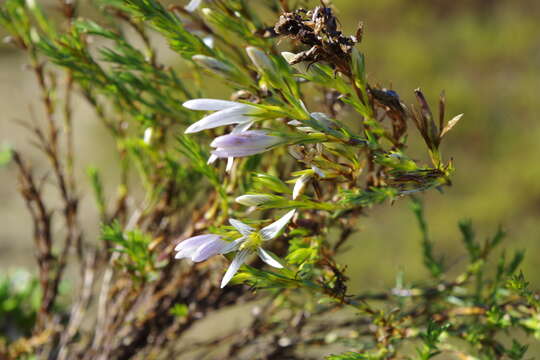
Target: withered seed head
x=317, y=28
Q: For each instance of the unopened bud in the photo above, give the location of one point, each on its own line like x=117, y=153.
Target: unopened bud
x=261, y=60
x=253, y=200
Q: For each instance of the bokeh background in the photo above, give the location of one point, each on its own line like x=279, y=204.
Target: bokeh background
x=484, y=53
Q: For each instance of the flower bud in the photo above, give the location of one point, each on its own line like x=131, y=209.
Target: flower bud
x=220, y=68
x=253, y=200
x=244, y=143
x=260, y=60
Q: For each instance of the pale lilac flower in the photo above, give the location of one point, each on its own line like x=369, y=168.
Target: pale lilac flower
x=251, y=241
x=244, y=143
x=227, y=113
x=200, y=248
x=230, y=160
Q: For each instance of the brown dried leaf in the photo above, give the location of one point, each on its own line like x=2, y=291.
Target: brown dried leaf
x=451, y=124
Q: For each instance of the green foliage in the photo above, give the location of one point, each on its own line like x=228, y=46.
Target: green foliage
x=349, y=356
x=434, y=265
x=19, y=303
x=165, y=22
x=348, y=154
x=431, y=338
x=97, y=187
x=180, y=310
x=5, y=156
x=135, y=250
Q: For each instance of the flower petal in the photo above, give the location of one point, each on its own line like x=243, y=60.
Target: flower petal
x=272, y=231
x=208, y=250
x=235, y=115
x=300, y=184
x=241, y=127
x=208, y=41
x=230, y=163
x=196, y=241
x=212, y=159
x=209, y=104
x=267, y=258
x=192, y=5
x=241, y=227
x=318, y=171
x=239, y=259
x=227, y=153
x=233, y=245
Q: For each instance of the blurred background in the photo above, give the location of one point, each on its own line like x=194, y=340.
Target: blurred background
x=485, y=54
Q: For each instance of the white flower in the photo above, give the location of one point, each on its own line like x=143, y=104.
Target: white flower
x=244, y=143
x=193, y=5
x=200, y=248
x=251, y=241
x=227, y=113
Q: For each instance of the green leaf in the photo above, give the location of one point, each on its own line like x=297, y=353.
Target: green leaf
x=180, y=310
x=349, y=356
x=6, y=155
x=434, y=265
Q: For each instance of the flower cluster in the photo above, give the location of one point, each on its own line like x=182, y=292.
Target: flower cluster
x=240, y=141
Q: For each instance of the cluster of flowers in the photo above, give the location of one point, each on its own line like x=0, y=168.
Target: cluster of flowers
x=241, y=141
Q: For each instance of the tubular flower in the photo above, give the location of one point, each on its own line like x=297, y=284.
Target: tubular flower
x=227, y=113
x=200, y=248
x=251, y=241
x=244, y=143
x=230, y=160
